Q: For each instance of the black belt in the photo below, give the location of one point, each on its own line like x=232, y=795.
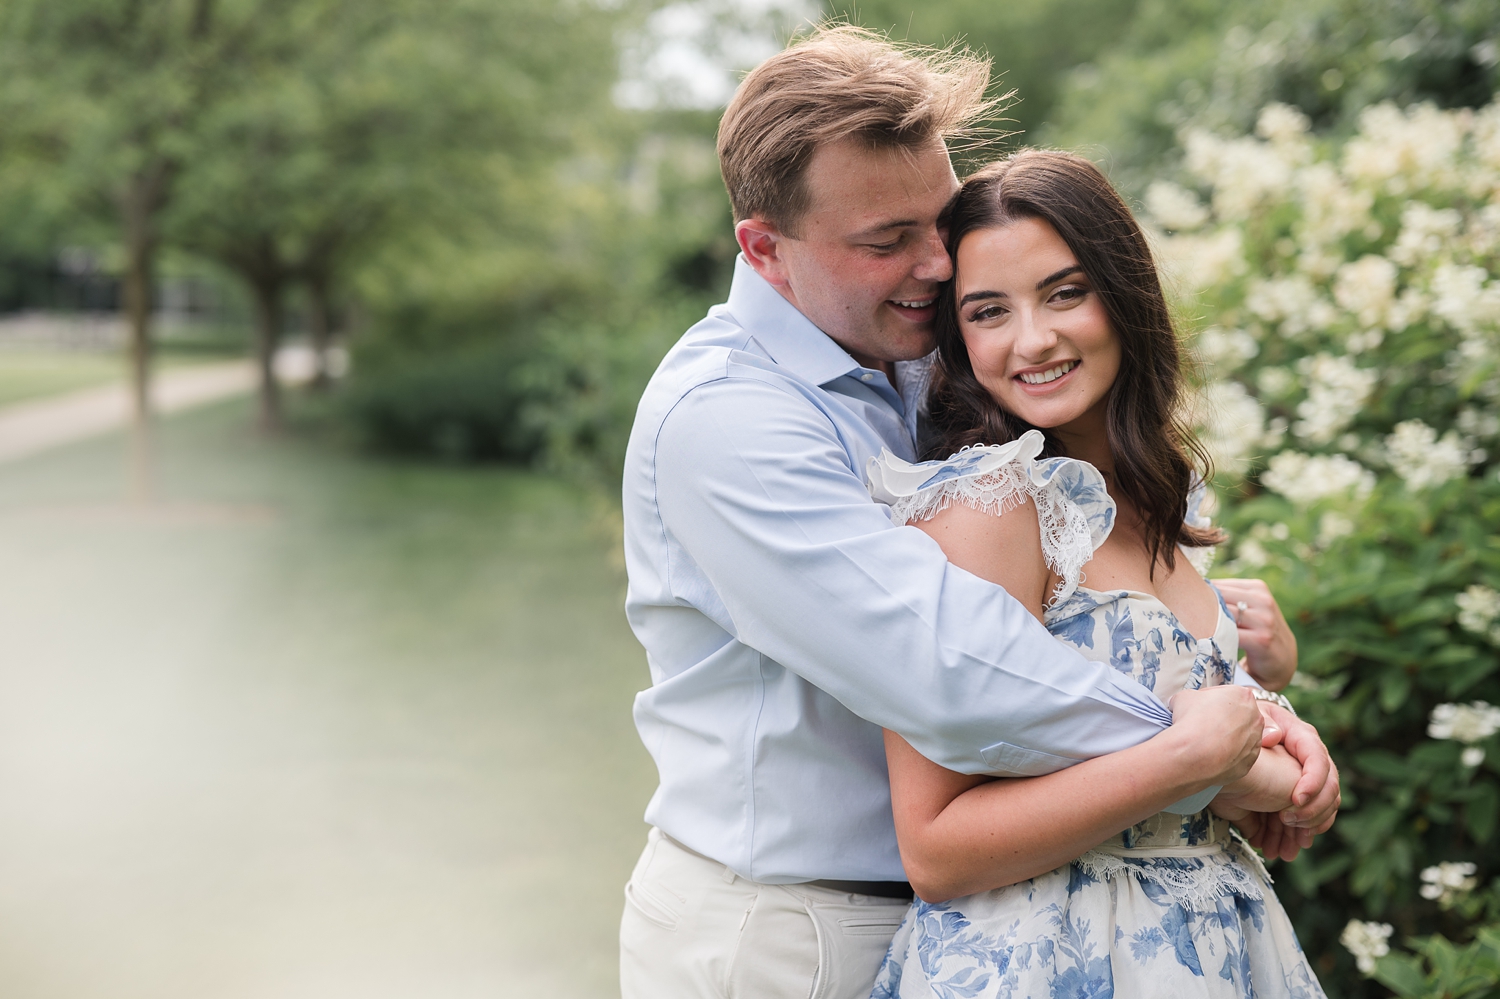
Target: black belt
x=879, y=889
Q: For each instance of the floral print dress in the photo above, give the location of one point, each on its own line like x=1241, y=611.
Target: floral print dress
x=1174, y=906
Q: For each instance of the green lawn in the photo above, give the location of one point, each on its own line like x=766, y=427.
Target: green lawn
x=31, y=374
x=27, y=373
x=319, y=726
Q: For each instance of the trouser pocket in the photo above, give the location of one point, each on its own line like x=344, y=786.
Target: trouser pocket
x=852, y=944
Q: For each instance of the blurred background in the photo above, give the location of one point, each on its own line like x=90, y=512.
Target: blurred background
x=322, y=323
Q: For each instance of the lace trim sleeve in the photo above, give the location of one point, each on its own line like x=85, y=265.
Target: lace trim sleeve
x=1072, y=503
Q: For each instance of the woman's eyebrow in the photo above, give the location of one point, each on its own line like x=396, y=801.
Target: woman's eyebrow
x=1057, y=276
x=975, y=296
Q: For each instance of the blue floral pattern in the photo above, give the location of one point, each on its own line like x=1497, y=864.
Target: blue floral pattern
x=1173, y=906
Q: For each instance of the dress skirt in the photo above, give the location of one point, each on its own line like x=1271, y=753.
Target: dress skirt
x=1156, y=924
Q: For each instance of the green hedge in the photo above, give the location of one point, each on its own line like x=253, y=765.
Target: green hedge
x=1350, y=319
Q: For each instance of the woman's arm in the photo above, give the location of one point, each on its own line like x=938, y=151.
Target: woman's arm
x=960, y=834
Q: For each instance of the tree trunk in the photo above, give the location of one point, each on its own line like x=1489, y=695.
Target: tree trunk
x=266, y=291
x=320, y=325
x=139, y=202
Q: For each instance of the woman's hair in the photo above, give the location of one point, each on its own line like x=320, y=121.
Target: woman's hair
x=1157, y=458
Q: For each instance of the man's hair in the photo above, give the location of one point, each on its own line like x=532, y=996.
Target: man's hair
x=839, y=82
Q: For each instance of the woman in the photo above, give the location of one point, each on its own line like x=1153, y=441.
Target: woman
x=1059, y=373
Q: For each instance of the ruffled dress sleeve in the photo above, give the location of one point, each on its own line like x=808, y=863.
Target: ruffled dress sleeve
x=1072, y=503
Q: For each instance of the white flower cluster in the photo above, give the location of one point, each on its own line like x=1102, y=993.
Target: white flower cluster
x=1422, y=459
x=1447, y=881
x=1307, y=478
x=1366, y=941
x=1175, y=206
x=1329, y=316
x=1336, y=391
x=1292, y=303
x=1479, y=611
x=1244, y=172
x=1233, y=426
x=1407, y=150
x=1367, y=288
x=1195, y=261
x=1465, y=723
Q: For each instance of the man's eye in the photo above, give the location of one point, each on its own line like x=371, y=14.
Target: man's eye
x=885, y=247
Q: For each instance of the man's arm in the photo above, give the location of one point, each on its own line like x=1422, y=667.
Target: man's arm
x=756, y=487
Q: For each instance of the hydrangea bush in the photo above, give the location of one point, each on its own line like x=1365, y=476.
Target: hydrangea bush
x=1348, y=304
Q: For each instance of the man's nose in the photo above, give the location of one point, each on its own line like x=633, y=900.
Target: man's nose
x=933, y=263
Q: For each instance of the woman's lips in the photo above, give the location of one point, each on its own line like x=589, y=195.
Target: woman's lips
x=1042, y=388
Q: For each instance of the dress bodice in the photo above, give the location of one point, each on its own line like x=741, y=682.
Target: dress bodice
x=1137, y=634
x=1133, y=632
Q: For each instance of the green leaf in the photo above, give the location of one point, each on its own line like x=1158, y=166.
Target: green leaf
x=1402, y=974
x=1395, y=687
x=1481, y=812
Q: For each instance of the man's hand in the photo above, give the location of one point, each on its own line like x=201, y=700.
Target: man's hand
x=1316, y=797
x=1221, y=728
x=1270, y=647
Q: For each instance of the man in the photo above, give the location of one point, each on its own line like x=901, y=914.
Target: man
x=786, y=620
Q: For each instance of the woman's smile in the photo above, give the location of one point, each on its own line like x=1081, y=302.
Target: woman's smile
x=1036, y=382
x=1038, y=337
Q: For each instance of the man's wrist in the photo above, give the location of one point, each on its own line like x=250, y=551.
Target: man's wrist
x=1271, y=697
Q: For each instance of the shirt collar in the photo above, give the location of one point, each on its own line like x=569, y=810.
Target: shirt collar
x=789, y=337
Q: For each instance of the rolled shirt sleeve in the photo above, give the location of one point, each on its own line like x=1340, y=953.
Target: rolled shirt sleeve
x=757, y=491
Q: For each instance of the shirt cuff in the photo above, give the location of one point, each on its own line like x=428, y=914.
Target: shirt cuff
x=1194, y=803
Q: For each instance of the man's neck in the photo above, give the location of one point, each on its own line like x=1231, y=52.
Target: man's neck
x=874, y=364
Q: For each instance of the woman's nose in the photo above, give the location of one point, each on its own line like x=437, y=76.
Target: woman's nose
x=1035, y=337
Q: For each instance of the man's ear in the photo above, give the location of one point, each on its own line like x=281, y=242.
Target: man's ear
x=763, y=246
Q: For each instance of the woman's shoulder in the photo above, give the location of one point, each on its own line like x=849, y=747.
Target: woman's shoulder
x=1073, y=506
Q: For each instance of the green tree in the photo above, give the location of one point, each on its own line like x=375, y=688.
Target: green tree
x=1034, y=44
x=100, y=101
x=1182, y=63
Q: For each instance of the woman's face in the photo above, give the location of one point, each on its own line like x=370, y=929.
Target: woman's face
x=1038, y=336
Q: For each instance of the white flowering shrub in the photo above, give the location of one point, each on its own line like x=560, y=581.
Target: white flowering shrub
x=1348, y=294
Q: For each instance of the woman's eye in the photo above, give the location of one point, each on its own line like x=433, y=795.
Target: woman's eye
x=986, y=313
x=1070, y=293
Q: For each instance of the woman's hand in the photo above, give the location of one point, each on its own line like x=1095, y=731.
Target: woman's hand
x=1268, y=643
x=1266, y=788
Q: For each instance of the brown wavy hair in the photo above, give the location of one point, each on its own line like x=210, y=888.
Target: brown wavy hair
x=1157, y=458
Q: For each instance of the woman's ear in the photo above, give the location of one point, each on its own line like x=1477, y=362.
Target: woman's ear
x=764, y=248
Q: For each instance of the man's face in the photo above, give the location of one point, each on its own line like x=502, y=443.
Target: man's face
x=867, y=259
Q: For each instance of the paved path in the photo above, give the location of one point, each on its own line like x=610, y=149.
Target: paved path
x=31, y=427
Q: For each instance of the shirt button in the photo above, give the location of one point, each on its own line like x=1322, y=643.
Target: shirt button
x=868, y=376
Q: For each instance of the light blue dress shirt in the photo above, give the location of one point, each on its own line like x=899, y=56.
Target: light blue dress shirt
x=786, y=620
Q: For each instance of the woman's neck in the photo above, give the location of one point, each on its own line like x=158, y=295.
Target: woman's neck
x=1087, y=439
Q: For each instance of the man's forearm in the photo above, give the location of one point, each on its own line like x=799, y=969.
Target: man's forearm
x=811, y=574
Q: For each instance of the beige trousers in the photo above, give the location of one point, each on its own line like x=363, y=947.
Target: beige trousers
x=693, y=930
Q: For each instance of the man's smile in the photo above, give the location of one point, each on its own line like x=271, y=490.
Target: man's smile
x=919, y=310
